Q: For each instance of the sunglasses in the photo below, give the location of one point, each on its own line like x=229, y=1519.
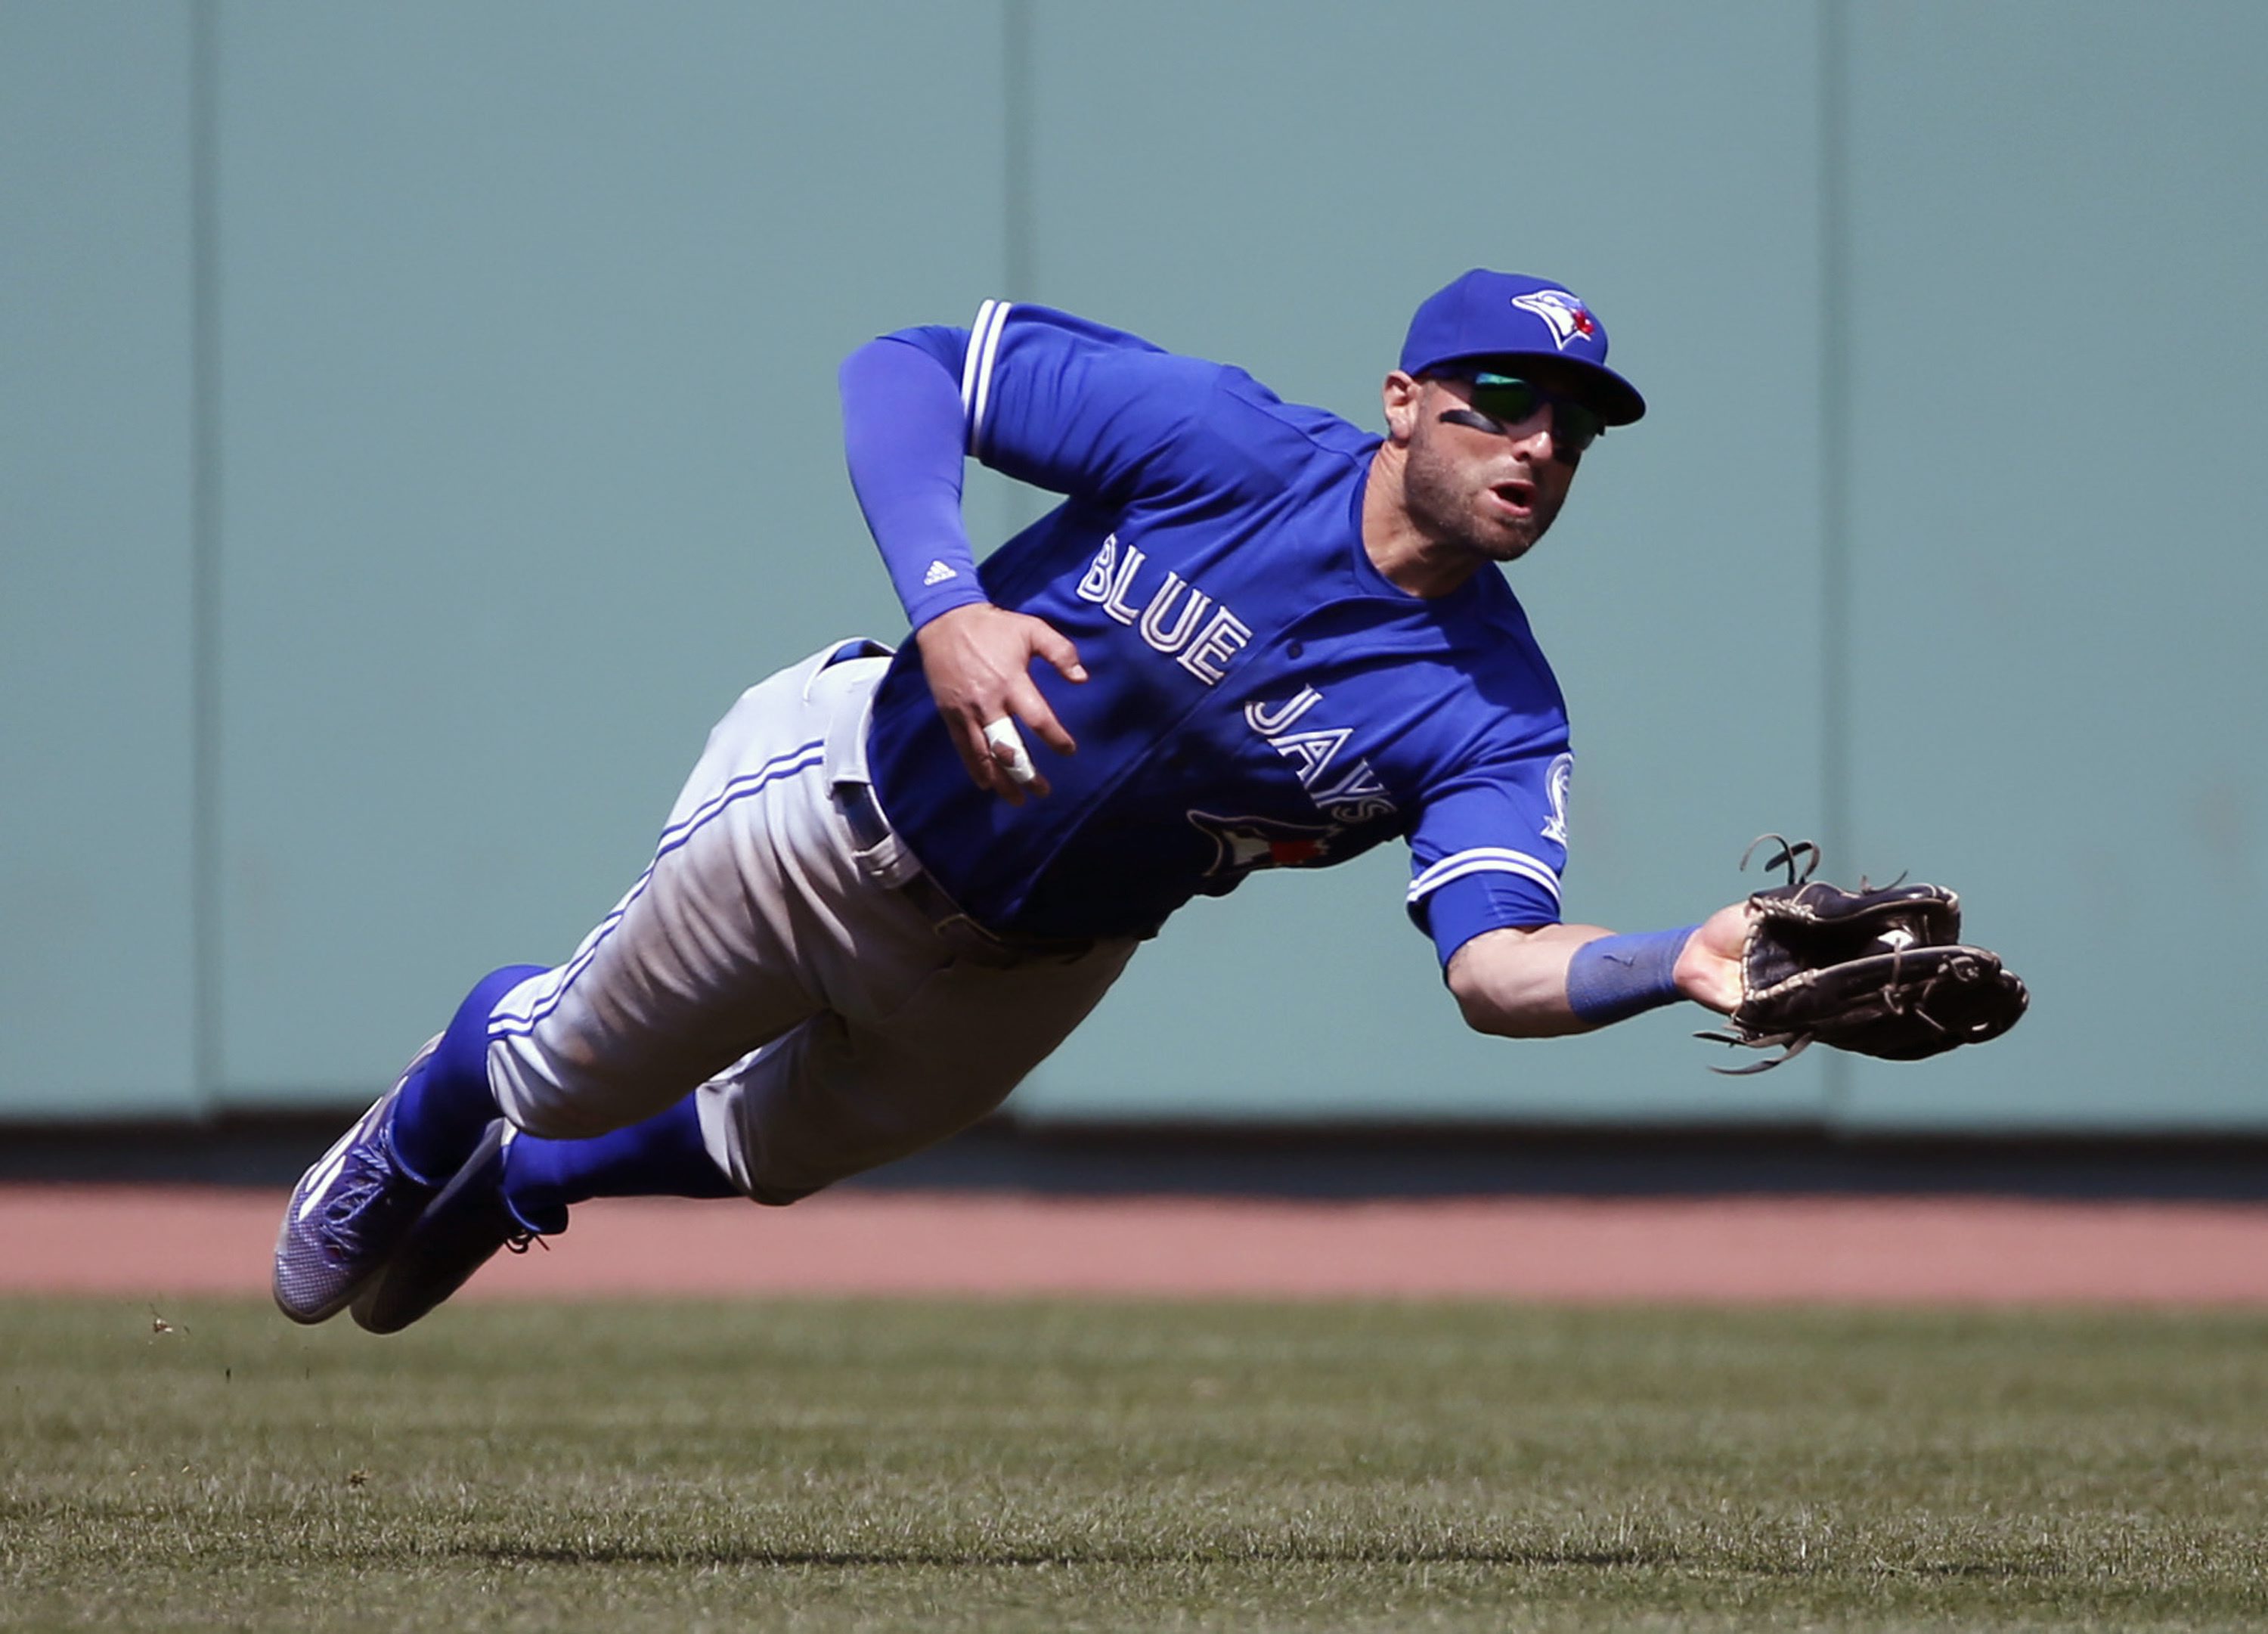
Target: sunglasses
x=1506, y=401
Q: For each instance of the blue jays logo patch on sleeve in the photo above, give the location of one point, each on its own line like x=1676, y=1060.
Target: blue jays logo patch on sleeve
x=1556, y=785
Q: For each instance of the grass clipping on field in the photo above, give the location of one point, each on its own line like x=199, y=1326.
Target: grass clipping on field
x=1054, y=1465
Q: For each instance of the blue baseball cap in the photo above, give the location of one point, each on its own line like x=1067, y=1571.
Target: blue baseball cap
x=1486, y=315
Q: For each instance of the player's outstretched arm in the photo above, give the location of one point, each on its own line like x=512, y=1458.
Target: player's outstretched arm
x=1516, y=983
x=978, y=662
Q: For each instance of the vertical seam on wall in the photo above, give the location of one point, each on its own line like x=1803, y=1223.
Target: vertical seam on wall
x=1016, y=166
x=1019, y=241
x=204, y=556
x=1835, y=760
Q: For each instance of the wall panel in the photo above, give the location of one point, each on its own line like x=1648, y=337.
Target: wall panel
x=526, y=459
x=2060, y=214
x=531, y=313
x=96, y=729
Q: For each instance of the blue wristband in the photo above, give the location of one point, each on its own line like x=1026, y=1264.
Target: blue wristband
x=1618, y=976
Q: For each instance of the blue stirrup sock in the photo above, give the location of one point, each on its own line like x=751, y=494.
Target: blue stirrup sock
x=446, y=1104
x=1618, y=976
x=662, y=1157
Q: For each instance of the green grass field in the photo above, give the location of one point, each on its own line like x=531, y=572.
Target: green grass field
x=1056, y=1465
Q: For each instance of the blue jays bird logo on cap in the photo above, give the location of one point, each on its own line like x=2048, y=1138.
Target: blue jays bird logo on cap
x=1562, y=314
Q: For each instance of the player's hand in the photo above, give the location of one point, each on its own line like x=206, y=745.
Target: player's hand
x=1709, y=970
x=978, y=659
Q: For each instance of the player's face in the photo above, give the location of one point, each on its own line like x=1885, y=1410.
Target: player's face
x=1474, y=482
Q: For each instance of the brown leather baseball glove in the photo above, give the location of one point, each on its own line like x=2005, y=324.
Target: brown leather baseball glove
x=1881, y=970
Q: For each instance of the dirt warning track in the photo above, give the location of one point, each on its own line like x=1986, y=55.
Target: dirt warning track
x=160, y=1241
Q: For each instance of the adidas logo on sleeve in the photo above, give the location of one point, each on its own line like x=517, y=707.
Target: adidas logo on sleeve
x=938, y=572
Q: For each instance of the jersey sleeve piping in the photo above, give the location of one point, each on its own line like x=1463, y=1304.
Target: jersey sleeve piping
x=977, y=368
x=1483, y=859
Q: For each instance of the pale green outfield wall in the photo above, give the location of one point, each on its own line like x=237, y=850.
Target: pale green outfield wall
x=416, y=423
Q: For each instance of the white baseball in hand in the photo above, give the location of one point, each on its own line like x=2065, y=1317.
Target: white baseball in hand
x=1002, y=734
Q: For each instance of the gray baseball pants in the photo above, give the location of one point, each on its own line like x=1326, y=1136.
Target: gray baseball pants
x=770, y=962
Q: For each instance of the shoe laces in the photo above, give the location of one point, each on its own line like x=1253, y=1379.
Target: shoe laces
x=364, y=1187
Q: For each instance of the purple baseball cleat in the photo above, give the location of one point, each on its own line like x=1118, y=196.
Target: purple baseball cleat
x=460, y=1230
x=348, y=1214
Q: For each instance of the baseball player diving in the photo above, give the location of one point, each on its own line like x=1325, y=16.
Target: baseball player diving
x=1252, y=635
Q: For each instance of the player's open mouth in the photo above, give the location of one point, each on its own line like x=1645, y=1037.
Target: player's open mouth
x=1516, y=495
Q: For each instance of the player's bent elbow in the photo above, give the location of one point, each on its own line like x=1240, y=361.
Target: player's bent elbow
x=1482, y=1016
x=1482, y=1004
x=1512, y=983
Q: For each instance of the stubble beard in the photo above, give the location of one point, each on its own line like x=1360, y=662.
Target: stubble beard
x=1452, y=512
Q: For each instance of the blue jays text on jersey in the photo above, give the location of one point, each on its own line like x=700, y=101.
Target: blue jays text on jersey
x=1261, y=695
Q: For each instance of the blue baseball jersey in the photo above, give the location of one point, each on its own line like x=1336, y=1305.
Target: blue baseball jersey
x=1259, y=695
